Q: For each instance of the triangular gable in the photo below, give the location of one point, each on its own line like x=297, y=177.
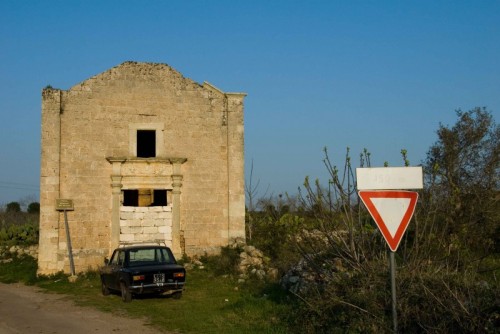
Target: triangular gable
x=125, y=68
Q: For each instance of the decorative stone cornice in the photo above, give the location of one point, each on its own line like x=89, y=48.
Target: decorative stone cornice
x=146, y=160
x=236, y=94
x=211, y=87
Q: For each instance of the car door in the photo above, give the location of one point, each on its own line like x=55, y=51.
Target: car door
x=112, y=271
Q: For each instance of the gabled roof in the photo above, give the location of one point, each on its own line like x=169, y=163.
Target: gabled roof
x=128, y=68
x=155, y=69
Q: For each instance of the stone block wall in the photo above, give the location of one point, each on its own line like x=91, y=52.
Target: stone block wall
x=138, y=224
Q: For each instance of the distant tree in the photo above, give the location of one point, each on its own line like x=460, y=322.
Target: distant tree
x=462, y=177
x=26, y=200
x=34, y=207
x=13, y=207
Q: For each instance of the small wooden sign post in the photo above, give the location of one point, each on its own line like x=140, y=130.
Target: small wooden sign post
x=67, y=205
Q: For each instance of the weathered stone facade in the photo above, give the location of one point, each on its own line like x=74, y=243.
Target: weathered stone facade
x=144, y=153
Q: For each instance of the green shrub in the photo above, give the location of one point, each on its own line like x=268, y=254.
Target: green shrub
x=26, y=234
x=447, y=302
x=274, y=236
x=19, y=269
x=226, y=263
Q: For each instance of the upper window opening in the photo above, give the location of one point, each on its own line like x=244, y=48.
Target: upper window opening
x=146, y=143
x=146, y=140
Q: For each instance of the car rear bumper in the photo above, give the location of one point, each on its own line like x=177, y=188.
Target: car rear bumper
x=156, y=287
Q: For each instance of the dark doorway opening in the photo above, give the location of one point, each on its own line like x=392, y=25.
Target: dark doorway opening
x=131, y=197
x=145, y=197
x=160, y=197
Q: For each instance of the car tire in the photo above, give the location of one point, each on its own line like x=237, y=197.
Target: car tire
x=177, y=295
x=104, y=289
x=126, y=295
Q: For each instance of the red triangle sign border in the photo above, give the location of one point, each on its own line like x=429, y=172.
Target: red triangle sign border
x=367, y=196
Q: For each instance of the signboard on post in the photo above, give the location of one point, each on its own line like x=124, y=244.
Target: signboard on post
x=67, y=205
x=390, y=209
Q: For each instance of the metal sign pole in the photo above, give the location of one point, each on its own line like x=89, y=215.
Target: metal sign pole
x=68, y=240
x=393, y=292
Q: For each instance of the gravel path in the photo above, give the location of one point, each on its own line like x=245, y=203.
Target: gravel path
x=26, y=309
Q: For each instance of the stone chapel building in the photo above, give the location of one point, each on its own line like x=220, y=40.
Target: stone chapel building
x=144, y=154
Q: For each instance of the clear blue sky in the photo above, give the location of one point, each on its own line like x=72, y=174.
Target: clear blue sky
x=374, y=74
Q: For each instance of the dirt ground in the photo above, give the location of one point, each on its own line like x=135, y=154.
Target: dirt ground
x=26, y=309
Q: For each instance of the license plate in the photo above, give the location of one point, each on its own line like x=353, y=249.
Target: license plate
x=159, y=278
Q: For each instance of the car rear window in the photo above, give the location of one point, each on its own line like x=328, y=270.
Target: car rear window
x=148, y=256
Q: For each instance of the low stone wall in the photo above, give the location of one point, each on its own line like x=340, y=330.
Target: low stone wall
x=254, y=263
x=8, y=251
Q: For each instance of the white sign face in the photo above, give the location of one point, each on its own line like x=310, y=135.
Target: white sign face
x=392, y=211
x=384, y=178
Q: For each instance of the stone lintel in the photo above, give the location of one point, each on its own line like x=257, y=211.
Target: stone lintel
x=146, y=160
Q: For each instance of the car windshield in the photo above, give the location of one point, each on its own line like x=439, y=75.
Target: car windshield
x=148, y=256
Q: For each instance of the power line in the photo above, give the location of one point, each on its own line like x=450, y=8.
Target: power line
x=19, y=186
x=17, y=183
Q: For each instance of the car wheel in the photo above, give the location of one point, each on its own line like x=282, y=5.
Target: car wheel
x=126, y=295
x=177, y=295
x=104, y=289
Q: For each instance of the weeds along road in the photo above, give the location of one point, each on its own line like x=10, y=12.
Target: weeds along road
x=27, y=309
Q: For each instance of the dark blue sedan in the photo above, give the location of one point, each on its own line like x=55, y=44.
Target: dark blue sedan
x=143, y=269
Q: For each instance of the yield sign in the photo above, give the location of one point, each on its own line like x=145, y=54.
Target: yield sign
x=392, y=211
